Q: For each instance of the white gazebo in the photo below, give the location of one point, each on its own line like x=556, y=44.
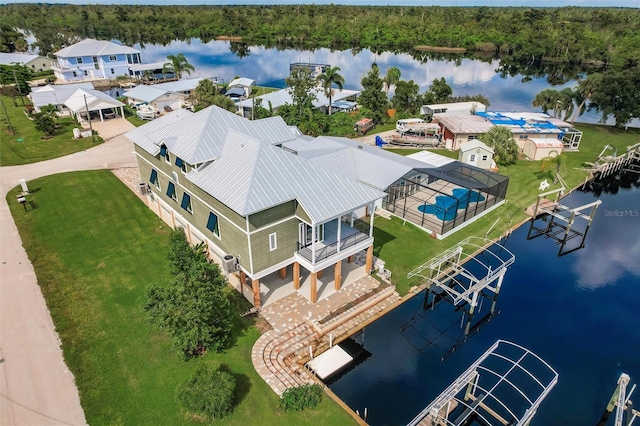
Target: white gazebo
x=87, y=100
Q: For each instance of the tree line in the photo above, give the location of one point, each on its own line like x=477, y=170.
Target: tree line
x=597, y=36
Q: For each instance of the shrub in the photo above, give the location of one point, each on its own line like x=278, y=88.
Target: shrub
x=208, y=392
x=301, y=397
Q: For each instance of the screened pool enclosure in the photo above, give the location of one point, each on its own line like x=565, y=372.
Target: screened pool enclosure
x=443, y=198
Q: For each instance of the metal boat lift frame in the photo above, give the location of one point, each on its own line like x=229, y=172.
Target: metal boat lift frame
x=449, y=267
x=562, y=217
x=484, y=401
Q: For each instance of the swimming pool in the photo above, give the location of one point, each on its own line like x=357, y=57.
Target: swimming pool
x=446, y=206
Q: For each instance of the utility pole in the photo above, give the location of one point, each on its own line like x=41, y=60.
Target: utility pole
x=15, y=77
x=86, y=107
x=7, y=115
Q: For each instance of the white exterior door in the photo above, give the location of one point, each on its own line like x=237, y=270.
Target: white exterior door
x=473, y=159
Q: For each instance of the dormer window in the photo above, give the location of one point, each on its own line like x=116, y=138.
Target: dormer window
x=164, y=152
x=78, y=60
x=181, y=164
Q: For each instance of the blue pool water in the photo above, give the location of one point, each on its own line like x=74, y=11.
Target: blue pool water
x=579, y=312
x=445, y=206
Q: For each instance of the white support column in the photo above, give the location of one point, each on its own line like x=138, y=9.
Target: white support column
x=339, y=231
x=101, y=116
x=122, y=112
x=502, y=274
x=373, y=206
x=313, y=243
x=351, y=222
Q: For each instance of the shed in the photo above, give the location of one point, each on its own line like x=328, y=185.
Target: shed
x=155, y=96
x=539, y=148
x=243, y=83
x=476, y=153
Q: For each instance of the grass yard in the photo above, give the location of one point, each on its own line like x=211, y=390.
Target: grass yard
x=404, y=247
x=33, y=147
x=93, y=278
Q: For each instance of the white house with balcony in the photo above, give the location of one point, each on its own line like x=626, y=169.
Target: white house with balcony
x=94, y=60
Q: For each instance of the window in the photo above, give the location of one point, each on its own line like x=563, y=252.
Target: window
x=212, y=224
x=154, y=179
x=75, y=74
x=484, y=158
x=85, y=72
x=181, y=164
x=164, y=152
x=79, y=60
x=472, y=137
x=186, y=203
x=273, y=242
x=112, y=71
x=523, y=136
x=171, y=191
x=472, y=158
x=113, y=58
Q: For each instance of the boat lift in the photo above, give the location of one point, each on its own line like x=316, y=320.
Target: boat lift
x=622, y=403
x=505, y=386
x=448, y=270
x=560, y=226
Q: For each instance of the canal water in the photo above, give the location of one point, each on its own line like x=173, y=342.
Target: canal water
x=270, y=66
x=580, y=312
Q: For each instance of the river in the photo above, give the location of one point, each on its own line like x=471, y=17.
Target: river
x=579, y=312
x=270, y=66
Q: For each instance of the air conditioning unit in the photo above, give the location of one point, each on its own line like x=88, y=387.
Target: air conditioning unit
x=144, y=188
x=229, y=263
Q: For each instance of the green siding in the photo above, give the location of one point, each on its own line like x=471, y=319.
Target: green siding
x=302, y=214
x=287, y=238
x=274, y=214
x=232, y=240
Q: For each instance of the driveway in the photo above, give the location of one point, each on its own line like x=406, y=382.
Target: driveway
x=36, y=387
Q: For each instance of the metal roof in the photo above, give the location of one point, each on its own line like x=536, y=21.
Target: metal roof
x=19, y=58
x=252, y=176
x=454, y=107
x=242, y=81
x=200, y=137
x=149, y=66
x=91, y=47
x=181, y=85
x=139, y=134
x=431, y=158
x=93, y=99
x=145, y=93
x=465, y=124
x=475, y=144
x=55, y=94
x=281, y=97
x=368, y=164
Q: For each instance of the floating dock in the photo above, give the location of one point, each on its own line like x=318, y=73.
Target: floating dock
x=330, y=362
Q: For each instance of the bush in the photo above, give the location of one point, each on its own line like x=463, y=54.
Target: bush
x=301, y=397
x=208, y=392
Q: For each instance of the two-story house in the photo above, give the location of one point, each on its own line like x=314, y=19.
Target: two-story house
x=274, y=218
x=94, y=60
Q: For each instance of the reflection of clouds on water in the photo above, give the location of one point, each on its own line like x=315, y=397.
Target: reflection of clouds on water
x=271, y=67
x=597, y=264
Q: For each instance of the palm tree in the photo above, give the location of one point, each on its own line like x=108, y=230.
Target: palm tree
x=178, y=64
x=505, y=149
x=584, y=91
x=557, y=159
x=546, y=100
x=327, y=79
x=392, y=77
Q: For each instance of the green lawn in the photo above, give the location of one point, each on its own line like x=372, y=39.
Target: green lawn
x=93, y=278
x=33, y=147
x=404, y=247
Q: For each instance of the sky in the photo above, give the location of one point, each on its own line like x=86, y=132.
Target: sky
x=525, y=3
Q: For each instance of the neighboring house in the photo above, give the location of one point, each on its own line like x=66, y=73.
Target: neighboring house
x=172, y=95
x=243, y=85
x=315, y=69
x=280, y=97
x=35, y=63
x=94, y=60
x=84, y=103
x=151, y=71
x=455, y=108
x=56, y=95
x=455, y=129
x=476, y=153
x=275, y=219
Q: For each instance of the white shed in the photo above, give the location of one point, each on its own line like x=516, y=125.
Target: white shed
x=476, y=153
x=539, y=148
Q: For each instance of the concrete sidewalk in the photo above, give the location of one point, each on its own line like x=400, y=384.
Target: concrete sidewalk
x=36, y=387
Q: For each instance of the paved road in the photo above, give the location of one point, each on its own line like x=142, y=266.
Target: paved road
x=36, y=387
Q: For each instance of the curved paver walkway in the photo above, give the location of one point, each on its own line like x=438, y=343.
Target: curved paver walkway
x=36, y=387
